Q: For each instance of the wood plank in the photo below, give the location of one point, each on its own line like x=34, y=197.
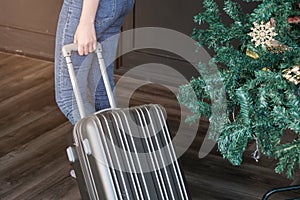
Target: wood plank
x=27, y=92
x=27, y=106
x=20, y=134
x=49, y=147
x=10, y=64
x=215, y=178
x=22, y=79
x=65, y=189
x=41, y=180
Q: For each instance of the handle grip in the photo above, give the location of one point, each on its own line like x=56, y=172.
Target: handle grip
x=67, y=52
x=67, y=49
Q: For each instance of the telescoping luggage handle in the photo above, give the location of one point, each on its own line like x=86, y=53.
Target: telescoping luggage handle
x=67, y=52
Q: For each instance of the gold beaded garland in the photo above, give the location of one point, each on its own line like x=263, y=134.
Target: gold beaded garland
x=292, y=75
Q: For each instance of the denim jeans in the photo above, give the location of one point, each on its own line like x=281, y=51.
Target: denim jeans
x=108, y=22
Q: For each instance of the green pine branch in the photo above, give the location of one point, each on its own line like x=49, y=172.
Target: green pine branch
x=259, y=101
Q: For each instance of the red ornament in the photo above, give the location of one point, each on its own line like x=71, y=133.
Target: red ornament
x=294, y=20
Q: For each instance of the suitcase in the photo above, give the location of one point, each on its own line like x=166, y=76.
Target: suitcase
x=123, y=153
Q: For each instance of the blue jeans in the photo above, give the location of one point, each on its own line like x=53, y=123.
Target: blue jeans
x=108, y=22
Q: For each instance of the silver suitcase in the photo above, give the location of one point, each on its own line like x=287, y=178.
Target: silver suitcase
x=126, y=153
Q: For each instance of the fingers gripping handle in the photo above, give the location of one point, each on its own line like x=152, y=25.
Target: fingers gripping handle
x=67, y=51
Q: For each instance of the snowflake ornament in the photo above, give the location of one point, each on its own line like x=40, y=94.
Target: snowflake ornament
x=262, y=34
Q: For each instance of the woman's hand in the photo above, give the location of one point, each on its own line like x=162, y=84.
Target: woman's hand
x=85, y=37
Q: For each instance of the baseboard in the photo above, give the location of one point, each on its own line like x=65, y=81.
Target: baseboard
x=28, y=43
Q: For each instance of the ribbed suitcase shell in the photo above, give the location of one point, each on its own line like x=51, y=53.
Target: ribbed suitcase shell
x=123, y=154
x=128, y=154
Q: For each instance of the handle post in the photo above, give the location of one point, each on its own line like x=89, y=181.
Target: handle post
x=105, y=77
x=67, y=54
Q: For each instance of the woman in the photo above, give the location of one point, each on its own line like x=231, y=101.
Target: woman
x=86, y=22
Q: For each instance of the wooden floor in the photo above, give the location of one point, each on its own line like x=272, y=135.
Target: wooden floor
x=34, y=136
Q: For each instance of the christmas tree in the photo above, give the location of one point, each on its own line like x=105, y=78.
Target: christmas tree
x=258, y=58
